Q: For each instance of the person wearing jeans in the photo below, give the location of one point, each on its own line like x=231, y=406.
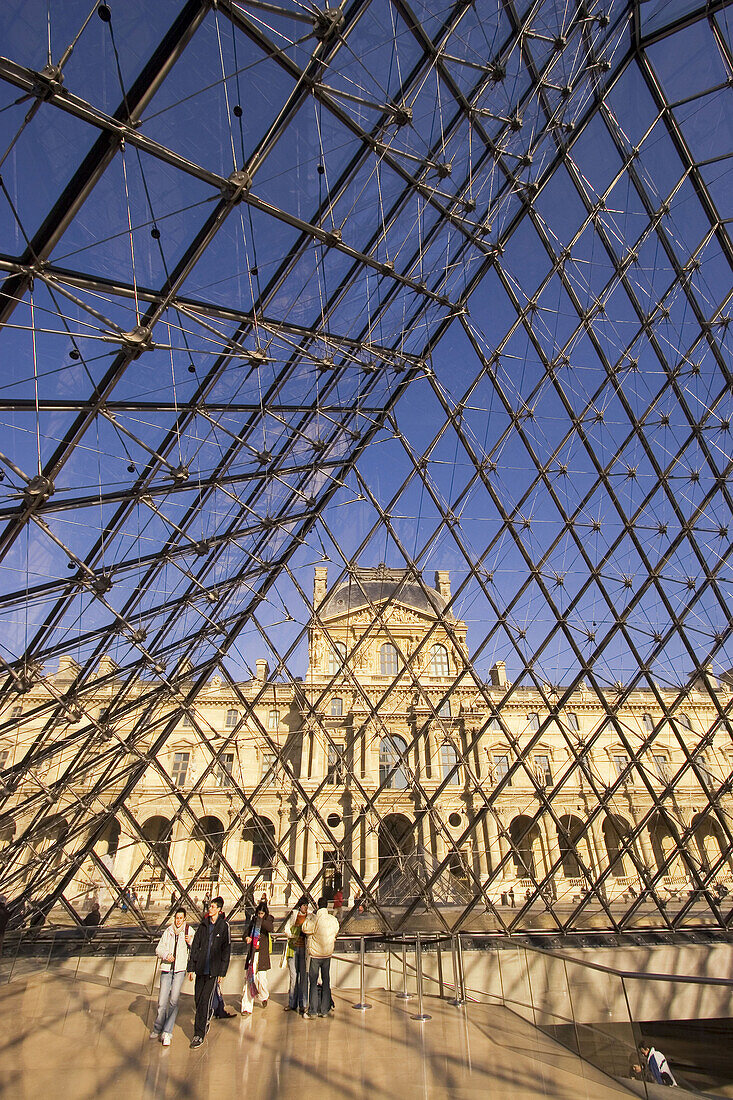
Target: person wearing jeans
x=208, y=960
x=298, y=994
x=322, y=930
x=172, y=950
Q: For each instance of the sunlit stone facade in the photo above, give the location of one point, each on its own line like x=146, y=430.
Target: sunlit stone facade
x=389, y=745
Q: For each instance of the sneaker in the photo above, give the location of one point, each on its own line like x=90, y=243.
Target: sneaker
x=321, y=1015
x=287, y=1008
x=154, y=1034
x=166, y=1040
x=306, y=1016
x=264, y=1004
x=246, y=1012
x=197, y=1041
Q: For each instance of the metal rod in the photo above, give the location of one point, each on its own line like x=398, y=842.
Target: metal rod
x=456, y=999
x=420, y=1015
x=404, y=995
x=362, y=1005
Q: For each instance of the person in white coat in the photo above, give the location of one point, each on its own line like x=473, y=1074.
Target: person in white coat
x=657, y=1065
x=321, y=930
x=172, y=950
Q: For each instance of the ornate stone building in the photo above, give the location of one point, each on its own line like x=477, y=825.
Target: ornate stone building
x=390, y=769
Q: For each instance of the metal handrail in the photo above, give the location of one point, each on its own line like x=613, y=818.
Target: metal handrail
x=634, y=974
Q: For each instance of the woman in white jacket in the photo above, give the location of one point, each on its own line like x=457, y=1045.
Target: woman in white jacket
x=172, y=950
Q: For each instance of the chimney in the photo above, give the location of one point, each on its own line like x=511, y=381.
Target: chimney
x=711, y=677
x=68, y=668
x=262, y=668
x=497, y=673
x=320, y=578
x=442, y=582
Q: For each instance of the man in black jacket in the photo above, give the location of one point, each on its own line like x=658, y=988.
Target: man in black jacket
x=208, y=959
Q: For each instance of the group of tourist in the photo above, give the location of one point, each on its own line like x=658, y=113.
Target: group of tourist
x=205, y=956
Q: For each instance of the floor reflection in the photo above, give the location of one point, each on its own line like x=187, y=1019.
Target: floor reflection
x=65, y=1038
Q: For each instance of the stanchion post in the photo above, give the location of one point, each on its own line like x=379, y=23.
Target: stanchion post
x=362, y=1005
x=456, y=999
x=461, y=974
x=441, y=983
x=404, y=995
x=420, y=1015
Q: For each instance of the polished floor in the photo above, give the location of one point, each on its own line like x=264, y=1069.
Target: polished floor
x=74, y=1039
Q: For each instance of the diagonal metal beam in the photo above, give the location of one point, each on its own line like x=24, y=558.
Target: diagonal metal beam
x=103, y=151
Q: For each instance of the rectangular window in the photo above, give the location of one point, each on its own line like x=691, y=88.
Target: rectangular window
x=534, y=722
x=335, y=770
x=543, y=771
x=337, y=707
x=16, y=712
x=707, y=776
x=661, y=767
x=501, y=768
x=187, y=719
x=223, y=769
x=273, y=719
x=232, y=719
x=180, y=767
x=4, y=756
x=268, y=762
x=448, y=760
x=573, y=721
x=648, y=723
x=620, y=762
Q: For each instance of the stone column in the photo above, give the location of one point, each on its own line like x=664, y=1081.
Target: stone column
x=371, y=855
x=482, y=848
x=494, y=853
x=552, y=845
x=505, y=850
x=644, y=842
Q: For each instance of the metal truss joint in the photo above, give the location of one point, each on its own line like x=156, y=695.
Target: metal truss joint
x=138, y=340
x=237, y=184
x=327, y=23
x=49, y=82
x=38, y=490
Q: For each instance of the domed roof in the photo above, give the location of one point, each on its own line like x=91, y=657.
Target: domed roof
x=373, y=586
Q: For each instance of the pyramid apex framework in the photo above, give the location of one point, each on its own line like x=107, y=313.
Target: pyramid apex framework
x=444, y=289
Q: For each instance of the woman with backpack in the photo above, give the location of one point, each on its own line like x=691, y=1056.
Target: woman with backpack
x=257, y=961
x=172, y=950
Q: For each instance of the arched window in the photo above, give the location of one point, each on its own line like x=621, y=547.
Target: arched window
x=157, y=832
x=388, y=660
x=260, y=832
x=336, y=657
x=210, y=832
x=337, y=706
x=439, y=660
x=448, y=761
x=391, y=749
